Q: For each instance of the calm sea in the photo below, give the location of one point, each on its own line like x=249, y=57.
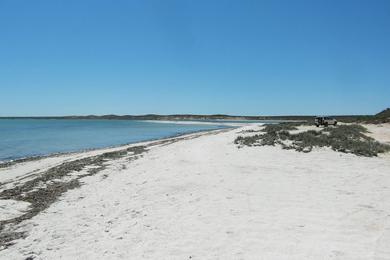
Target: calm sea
x=21, y=138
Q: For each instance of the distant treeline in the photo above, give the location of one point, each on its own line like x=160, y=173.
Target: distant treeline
x=378, y=118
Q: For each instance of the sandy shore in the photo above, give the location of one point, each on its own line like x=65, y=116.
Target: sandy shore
x=198, y=197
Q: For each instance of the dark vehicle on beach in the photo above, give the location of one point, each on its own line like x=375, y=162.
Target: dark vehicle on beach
x=325, y=121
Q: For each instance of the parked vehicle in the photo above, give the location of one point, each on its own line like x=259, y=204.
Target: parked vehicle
x=325, y=121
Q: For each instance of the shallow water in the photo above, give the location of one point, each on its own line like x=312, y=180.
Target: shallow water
x=20, y=138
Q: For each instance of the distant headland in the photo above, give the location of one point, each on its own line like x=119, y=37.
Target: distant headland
x=379, y=117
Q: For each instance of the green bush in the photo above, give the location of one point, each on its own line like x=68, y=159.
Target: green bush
x=343, y=138
x=270, y=128
x=248, y=140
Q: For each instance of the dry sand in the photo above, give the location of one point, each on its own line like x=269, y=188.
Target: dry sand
x=380, y=132
x=203, y=198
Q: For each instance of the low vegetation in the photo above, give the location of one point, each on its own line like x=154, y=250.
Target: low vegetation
x=382, y=117
x=342, y=138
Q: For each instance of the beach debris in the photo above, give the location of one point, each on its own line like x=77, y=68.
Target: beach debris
x=40, y=192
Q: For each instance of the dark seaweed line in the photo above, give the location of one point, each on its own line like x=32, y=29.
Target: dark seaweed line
x=41, y=198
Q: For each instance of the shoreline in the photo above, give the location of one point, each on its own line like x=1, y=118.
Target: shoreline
x=97, y=151
x=21, y=190
x=10, y=162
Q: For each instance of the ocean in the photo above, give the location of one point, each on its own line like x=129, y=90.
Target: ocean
x=21, y=138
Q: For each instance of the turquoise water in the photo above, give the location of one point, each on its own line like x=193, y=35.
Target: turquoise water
x=20, y=138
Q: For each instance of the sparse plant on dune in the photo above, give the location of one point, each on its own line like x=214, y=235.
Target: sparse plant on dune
x=343, y=138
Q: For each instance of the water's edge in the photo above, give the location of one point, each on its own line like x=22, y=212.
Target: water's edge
x=8, y=163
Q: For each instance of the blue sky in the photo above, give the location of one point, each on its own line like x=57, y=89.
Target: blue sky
x=203, y=57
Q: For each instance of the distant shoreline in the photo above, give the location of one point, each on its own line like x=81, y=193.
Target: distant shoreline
x=187, y=117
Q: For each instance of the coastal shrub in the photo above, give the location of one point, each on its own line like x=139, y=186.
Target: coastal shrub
x=343, y=138
x=247, y=140
x=348, y=131
x=272, y=128
x=273, y=132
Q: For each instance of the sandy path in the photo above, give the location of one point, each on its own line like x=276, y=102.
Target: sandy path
x=204, y=198
x=380, y=132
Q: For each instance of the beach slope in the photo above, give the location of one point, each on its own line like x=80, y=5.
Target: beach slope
x=197, y=197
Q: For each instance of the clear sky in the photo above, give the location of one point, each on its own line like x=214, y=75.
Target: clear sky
x=203, y=57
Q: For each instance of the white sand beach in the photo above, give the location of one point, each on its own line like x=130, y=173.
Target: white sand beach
x=201, y=197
